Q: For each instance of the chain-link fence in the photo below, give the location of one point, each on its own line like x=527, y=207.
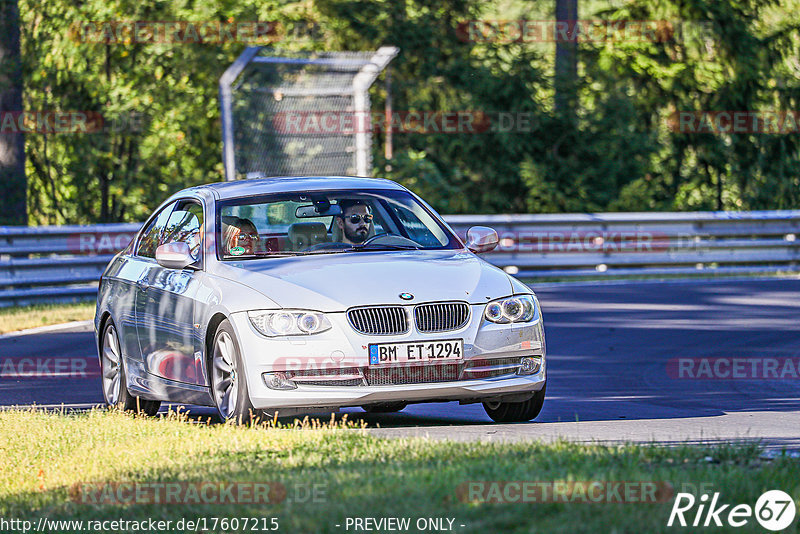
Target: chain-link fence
x=282, y=112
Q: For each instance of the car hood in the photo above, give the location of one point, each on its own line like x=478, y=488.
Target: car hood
x=336, y=282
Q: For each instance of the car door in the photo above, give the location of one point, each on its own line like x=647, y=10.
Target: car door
x=168, y=339
x=138, y=266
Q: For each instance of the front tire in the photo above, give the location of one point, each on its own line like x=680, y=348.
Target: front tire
x=228, y=384
x=516, y=412
x=115, y=388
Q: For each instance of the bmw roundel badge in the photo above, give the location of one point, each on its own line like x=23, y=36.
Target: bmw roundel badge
x=406, y=296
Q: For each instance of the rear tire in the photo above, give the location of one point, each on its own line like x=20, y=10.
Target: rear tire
x=387, y=407
x=114, y=381
x=228, y=383
x=516, y=412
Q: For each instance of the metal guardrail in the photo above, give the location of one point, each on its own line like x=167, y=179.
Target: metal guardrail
x=637, y=244
x=65, y=262
x=57, y=263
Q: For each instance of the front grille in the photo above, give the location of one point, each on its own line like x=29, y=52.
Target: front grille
x=441, y=316
x=412, y=374
x=341, y=376
x=473, y=369
x=321, y=382
x=379, y=320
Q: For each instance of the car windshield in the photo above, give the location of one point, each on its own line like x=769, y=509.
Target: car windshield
x=326, y=222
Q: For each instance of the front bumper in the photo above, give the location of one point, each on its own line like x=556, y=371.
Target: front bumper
x=335, y=397
x=342, y=348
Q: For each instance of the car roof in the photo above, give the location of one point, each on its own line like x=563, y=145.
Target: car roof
x=288, y=184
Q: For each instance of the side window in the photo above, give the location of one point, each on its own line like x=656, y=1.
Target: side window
x=152, y=235
x=185, y=225
x=378, y=222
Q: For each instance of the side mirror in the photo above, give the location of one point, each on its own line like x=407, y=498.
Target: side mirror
x=175, y=255
x=481, y=239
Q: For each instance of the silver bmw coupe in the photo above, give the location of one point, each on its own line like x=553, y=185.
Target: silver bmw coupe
x=292, y=295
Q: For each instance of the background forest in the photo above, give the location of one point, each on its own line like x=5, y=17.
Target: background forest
x=610, y=149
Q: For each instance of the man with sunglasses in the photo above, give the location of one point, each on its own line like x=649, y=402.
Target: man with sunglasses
x=355, y=222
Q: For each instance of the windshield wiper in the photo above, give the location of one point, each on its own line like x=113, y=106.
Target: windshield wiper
x=381, y=246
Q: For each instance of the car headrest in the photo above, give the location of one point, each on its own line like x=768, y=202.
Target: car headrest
x=305, y=234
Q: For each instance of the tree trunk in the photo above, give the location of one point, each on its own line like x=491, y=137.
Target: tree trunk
x=13, y=186
x=566, y=80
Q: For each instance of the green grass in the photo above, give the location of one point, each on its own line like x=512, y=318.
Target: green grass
x=45, y=454
x=21, y=317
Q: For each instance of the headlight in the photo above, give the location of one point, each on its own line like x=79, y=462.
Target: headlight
x=289, y=322
x=516, y=309
x=494, y=312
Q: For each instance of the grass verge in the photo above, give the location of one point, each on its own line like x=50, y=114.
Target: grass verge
x=21, y=317
x=329, y=473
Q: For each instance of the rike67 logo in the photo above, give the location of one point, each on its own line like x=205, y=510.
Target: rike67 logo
x=774, y=510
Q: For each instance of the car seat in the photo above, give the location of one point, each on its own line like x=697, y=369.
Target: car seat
x=307, y=234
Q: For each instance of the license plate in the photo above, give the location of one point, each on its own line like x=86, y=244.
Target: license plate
x=416, y=352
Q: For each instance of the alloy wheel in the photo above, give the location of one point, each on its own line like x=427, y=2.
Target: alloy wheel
x=225, y=376
x=111, y=360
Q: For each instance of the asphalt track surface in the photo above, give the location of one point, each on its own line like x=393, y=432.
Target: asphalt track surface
x=612, y=373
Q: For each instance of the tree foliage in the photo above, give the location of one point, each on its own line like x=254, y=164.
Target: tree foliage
x=163, y=131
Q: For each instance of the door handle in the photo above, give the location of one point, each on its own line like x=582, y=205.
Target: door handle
x=143, y=283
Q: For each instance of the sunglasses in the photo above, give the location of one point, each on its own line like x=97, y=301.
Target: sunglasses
x=252, y=237
x=355, y=219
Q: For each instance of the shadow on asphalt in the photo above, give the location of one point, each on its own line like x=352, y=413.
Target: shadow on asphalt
x=610, y=349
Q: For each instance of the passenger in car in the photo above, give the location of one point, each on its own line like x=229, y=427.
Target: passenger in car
x=229, y=229
x=240, y=236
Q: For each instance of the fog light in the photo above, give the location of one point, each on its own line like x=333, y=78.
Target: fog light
x=529, y=366
x=278, y=381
